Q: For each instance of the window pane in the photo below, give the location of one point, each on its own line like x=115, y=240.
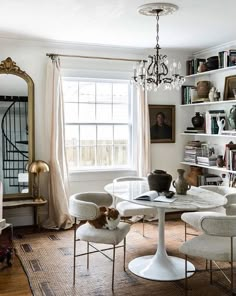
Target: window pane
x=87, y=135
x=104, y=92
x=121, y=134
x=70, y=91
x=87, y=156
x=120, y=93
x=72, y=135
x=71, y=112
x=104, y=155
x=120, y=155
x=104, y=112
x=72, y=155
x=86, y=112
x=87, y=92
x=120, y=113
x=105, y=135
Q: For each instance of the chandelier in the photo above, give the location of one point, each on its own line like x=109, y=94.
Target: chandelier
x=155, y=72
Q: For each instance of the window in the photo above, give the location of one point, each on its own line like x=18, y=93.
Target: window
x=98, y=124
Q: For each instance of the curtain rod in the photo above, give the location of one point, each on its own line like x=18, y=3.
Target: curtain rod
x=51, y=55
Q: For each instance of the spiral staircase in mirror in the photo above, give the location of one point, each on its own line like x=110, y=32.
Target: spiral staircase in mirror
x=14, y=129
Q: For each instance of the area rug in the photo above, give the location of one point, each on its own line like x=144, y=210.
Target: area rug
x=47, y=259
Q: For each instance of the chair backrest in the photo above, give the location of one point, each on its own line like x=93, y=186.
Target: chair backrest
x=219, y=189
x=129, y=178
x=219, y=225
x=85, y=206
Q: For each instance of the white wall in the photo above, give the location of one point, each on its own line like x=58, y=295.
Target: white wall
x=31, y=57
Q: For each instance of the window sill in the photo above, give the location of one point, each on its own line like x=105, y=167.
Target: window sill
x=109, y=174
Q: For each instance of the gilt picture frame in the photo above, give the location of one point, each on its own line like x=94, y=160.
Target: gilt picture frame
x=230, y=88
x=162, y=123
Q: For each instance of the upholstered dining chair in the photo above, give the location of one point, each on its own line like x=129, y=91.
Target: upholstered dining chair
x=194, y=218
x=129, y=209
x=85, y=206
x=217, y=243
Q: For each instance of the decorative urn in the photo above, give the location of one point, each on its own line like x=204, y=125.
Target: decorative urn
x=159, y=180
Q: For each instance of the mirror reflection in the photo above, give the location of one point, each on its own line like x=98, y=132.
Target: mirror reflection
x=14, y=152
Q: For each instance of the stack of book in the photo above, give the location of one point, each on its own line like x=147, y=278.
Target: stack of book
x=230, y=156
x=209, y=179
x=192, y=150
x=193, y=130
x=207, y=161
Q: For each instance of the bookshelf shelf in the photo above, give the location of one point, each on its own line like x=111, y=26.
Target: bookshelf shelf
x=209, y=103
x=207, y=135
x=224, y=170
x=211, y=72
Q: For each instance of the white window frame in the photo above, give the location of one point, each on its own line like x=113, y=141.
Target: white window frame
x=131, y=167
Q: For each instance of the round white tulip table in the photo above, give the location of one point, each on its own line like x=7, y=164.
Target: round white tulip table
x=161, y=266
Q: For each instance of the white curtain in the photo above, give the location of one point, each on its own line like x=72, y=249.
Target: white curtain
x=143, y=132
x=54, y=126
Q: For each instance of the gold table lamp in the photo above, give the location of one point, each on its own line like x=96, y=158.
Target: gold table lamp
x=37, y=167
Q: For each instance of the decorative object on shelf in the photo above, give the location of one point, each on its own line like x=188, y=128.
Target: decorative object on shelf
x=202, y=67
x=192, y=177
x=159, y=180
x=221, y=124
x=230, y=84
x=203, y=88
x=37, y=167
x=211, y=94
x=217, y=95
x=232, y=117
x=212, y=63
x=220, y=161
x=156, y=73
x=162, y=123
x=198, y=120
x=232, y=57
x=180, y=184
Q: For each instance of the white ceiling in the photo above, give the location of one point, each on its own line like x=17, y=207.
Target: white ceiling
x=197, y=24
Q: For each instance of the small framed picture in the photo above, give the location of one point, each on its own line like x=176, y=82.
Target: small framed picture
x=162, y=123
x=230, y=88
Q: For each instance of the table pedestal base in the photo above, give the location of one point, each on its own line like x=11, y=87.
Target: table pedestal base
x=160, y=268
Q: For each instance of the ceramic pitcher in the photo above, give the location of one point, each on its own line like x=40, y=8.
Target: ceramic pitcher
x=180, y=184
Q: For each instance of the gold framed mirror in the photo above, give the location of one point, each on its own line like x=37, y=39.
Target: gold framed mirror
x=17, y=130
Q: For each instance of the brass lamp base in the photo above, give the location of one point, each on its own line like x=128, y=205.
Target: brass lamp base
x=39, y=199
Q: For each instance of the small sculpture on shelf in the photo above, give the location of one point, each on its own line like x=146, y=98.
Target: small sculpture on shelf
x=232, y=117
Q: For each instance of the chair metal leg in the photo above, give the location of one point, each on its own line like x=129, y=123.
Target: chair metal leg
x=186, y=276
x=74, y=251
x=124, y=251
x=210, y=271
x=232, y=266
x=113, y=267
x=143, y=226
x=185, y=231
x=87, y=255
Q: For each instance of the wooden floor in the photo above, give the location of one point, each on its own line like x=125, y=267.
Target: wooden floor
x=13, y=281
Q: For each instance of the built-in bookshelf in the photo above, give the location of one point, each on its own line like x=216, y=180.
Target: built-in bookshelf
x=217, y=78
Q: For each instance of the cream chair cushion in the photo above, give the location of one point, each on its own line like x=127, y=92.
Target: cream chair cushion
x=209, y=247
x=89, y=233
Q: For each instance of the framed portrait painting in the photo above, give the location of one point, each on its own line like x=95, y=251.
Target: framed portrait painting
x=230, y=88
x=162, y=123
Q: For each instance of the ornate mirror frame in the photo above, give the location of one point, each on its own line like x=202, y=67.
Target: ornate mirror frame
x=8, y=66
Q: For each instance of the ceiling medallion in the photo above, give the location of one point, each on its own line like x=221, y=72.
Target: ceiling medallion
x=155, y=72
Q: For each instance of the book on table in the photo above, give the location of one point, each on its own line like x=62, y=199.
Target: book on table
x=154, y=196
